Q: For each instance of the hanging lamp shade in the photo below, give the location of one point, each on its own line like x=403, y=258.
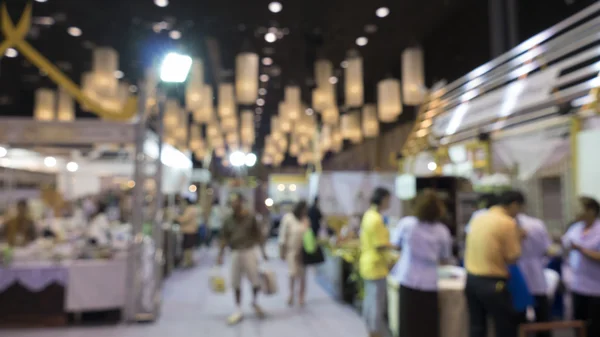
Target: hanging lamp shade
x=173, y=114
x=45, y=101
x=246, y=78
x=354, y=87
x=195, y=86
x=370, y=124
x=88, y=88
x=278, y=159
x=196, y=141
x=267, y=160
x=350, y=126
x=389, y=104
x=294, y=148
x=275, y=124
x=213, y=131
x=205, y=113
x=337, y=141
x=330, y=116
x=105, y=64
x=226, y=104
x=285, y=124
x=200, y=153
x=116, y=102
x=232, y=139
x=305, y=126
x=66, y=107
x=247, y=127
x=293, y=103
x=229, y=124
x=323, y=72
x=325, y=138
x=413, y=76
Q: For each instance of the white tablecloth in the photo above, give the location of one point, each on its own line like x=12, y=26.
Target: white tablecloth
x=96, y=285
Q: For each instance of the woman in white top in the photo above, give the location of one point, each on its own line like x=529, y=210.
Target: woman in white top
x=188, y=222
x=291, y=232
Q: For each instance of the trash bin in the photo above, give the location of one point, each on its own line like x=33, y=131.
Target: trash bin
x=393, y=301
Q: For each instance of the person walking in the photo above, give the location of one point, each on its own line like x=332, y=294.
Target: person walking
x=493, y=244
x=374, y=263
x=189, y=227
x=242, y=233
x=583, y=242
x=215, y=221
x=425, y=243
x=291, y=233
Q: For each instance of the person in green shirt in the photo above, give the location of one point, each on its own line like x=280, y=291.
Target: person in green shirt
x=373, y=262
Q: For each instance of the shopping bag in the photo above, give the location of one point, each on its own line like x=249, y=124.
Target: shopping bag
x=309, y=241
x=316, y=257
x=217, y=280
x=268, y=282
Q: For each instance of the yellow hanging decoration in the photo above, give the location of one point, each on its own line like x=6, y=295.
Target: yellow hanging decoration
x=15, y=38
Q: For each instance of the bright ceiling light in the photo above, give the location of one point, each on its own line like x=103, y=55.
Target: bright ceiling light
x=193, y=188
x=264, y=78
x=382, y=12
x=344, y=64
x=119, y=74
x=270, y=37
x=3, y=151
x=262, y=91
x=269, y=202
x=41, y=0
x=260, y=102
x=275, y=7
x=175, y=68
x=362, y=41
x=11, y=52
x=50, y=161
x=250, y=159
x=309, y=111
x=72, y=166
x=74, y=31
x=431, y=166
x=267, y=61
x=237, y=158
x=281, y=187
x=175, y=34
x=161, y=3
x=333, y=80
x=292, y=187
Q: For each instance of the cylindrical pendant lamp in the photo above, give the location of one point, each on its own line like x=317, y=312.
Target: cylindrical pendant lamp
x=246, y=78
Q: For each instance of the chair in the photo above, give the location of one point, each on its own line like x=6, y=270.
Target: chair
x=579, y=326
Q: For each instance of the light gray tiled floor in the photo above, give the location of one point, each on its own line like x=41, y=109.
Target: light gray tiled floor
x=191, y=309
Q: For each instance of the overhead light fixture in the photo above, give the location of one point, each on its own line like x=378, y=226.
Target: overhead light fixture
x=431, y=166
x=362, y=41
x=344, y=64
x=281, y=187
x=259, y=111
x=50, y=161
x=11, y=52
x=41, y=0
x=237, y=158
x=175, y=68
x=193, y=188
x=292, y=187
x=74, y=31
x=43, y=20
x=275, y=7
x=260, y=102
x=119, y=74
x=267, y=61
x=72, y=166
x=382, y=12
x=270, y=37
x=333, y=80
x=132, y=88
x=3, y=151
x=264, y=78
x=250, y=160
x=262, y=91
x=269, y=202
x=309, y=111
x=161, y=3
x=175, y=34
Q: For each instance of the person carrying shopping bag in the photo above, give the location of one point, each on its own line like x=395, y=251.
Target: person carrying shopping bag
x=291, y=233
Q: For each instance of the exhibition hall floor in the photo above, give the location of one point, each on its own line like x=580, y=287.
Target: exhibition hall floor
x=191, y=309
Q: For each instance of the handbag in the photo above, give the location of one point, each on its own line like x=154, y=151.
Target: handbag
x=268, y=282
x=521, y=296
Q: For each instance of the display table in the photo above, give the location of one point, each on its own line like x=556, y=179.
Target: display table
x=33, y=294
x=334, y=276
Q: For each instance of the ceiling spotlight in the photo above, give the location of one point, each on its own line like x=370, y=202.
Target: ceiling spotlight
x=264, y=78
x=292, y=187
x=11, y=52
x=250, y=159
x=344, y=64
x=3, y=151
x=262, y=91
x=192, y=188
x=269, y=202
x=259, y=111
x=281, y=187
x=270, y=37
x=431, y=166
x=72, y=166
x=175, y=34
x=382, y=12
x=161, y=3
x=333, y=80
x=275, y=7
x=50, y=161
x=237, y=158
x=267, y=61
x=41, y=0
x=309, y=111
x=119, y=74
x=74, y=31
x=362, y=41
x=260, y=102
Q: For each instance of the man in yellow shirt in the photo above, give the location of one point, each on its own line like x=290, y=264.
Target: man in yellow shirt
x=373, y=263
x=493, y=243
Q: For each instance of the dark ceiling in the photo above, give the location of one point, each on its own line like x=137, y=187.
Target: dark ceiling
x=454, y=34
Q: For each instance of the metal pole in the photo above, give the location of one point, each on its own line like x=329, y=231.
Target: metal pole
x=512, y=21
x=157, y=231
x=137, y=215
x=497, y=27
